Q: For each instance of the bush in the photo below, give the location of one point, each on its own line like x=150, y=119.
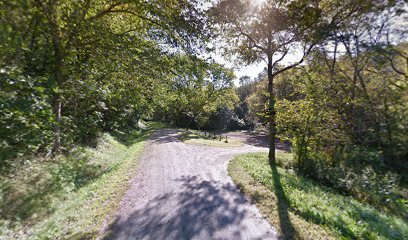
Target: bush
x=25, y=115
x=74, y=171
x=352, y=177
x=308, y=200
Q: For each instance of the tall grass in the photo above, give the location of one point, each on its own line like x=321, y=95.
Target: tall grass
x=70, y=196
x=343, y=216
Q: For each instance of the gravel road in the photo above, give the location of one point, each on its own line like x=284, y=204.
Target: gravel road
x=183, y=191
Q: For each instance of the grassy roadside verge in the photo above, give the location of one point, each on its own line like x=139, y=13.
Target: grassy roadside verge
x=69, y=197
x=191, y=137
x=302, y=209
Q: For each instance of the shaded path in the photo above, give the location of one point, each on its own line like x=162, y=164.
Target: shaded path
x=258, y=140
x=183, y=191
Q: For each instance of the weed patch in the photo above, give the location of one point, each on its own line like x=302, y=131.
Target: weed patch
x=69, y=196
x=301, y=208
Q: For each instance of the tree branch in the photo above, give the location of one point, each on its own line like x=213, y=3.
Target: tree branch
x=305, y=53
x=104, y=12
x=252, y=40
x=77, y=25
x=280, y=59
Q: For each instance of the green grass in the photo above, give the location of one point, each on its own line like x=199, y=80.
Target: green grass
x=69, y=197
x=200, y=139
x=301, y=208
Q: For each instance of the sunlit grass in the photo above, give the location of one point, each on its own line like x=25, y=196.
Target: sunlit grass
x=314, y=211
x=70, y=198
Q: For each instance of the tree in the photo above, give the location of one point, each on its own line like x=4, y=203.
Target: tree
x=61, y=41
x=196, y=90
x=273, y=30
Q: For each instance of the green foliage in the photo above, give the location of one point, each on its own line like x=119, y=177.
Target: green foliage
x=247, y=108
x=68, y=197
x=23, y=114
x=257, y=102
x=349, y=141
x=379, y=188
x=321, y=205
x=197, y=92
x=334, y=145
x=71, y=70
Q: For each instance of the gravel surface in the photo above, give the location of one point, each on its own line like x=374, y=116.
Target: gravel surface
x=183, y=191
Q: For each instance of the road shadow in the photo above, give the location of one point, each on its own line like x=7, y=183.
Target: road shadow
x=286, y=226
x=201, y=209
x=129, y=137
x=165, y=136
x=259, y=140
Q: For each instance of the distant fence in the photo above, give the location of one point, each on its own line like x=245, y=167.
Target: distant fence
x=212, y=135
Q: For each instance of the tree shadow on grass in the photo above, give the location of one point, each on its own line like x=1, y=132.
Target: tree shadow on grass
x=369, y=216
x=24, y=205
x=313, y=216
x=200, y=209
x=128, y=137
x=36, y=200
x=287, y=229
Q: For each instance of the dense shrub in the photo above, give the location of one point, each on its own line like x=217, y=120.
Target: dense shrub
x=351, y=176
x=24, y=115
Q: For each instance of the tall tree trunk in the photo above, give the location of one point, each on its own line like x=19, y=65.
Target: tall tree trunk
x=271, y=114
x=56, y=109
x=58, y=49
x=50, y=12
x=56, y=100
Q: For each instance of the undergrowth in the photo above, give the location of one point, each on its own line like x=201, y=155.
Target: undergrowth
x=69, y=197
x=298, y=202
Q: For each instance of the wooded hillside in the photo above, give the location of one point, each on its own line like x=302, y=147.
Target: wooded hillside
x=78, y=75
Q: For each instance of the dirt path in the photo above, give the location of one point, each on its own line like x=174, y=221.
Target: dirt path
x=183, y=191
x=258, y=140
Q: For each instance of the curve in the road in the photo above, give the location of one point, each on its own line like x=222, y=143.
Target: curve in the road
x=183, y=191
